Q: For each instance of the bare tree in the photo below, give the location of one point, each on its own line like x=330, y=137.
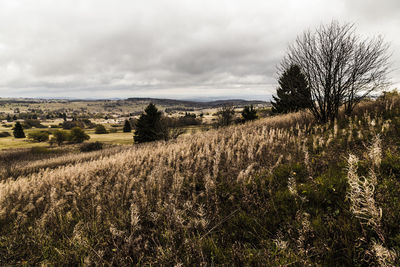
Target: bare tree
x=340, y=67
x=225, y=115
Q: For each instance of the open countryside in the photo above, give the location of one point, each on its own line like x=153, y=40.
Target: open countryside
x=199, y=133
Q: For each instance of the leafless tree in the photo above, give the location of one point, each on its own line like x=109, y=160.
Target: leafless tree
x=341, y=68
x=225, y=115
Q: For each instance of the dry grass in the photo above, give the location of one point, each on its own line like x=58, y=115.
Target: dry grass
x=156, y=203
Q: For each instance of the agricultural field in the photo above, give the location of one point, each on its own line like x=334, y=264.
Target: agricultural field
x=48, y=114
x=116, y=108
x=117, y=138
x=110, y=138
x=282, y=190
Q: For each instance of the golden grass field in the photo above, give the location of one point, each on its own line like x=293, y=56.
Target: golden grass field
x=278, y=191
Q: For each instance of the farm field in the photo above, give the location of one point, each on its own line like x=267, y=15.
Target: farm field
x=118, y=138
x=47, y=116
x=110, y=138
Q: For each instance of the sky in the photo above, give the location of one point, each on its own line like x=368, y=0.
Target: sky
x=183, y=49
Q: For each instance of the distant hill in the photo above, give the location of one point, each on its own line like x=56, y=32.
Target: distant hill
x=157, y=101
x=198, y=104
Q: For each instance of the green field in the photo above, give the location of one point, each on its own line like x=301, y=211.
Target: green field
x=118, y=138
x=110, y=138
x=11, y=142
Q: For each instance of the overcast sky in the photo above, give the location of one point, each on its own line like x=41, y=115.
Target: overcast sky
x=176, y=49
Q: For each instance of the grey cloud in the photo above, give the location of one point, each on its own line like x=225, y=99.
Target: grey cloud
x=163, y=48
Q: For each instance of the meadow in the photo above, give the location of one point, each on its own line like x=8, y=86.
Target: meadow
x=282, y=190
x=109, y=113
x=109, y=138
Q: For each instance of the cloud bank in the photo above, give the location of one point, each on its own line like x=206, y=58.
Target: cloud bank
x=175, y=48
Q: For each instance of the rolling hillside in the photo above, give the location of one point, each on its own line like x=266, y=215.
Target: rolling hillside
x=278, y=191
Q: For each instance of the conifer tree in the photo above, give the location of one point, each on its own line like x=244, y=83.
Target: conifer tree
x=249, y=113
x=293, y=92
x=127, y=127
x=149, y=126
x=18, y=131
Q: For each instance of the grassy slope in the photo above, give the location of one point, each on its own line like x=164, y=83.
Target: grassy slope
x=270, y=192
x=119, y=138
x=110, y=138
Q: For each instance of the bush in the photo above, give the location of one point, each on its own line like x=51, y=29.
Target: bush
x=29, y=123
x=39, y=136
x=88, y=123
x=100, y=129
x=188, y=119
x=77, y=135
x=91, y=147
x=67, y=125
x=225, y=115
x=5, y=134
x=249, y=113
x=59, y=137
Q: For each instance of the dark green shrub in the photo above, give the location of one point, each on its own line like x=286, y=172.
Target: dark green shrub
x=91, y=147
x=5, y=134
x=38, y=136
x=77, y=135
x=71, y=124
x=30, y=123
x=59, y=137
x=249, y=113
x=100, y=129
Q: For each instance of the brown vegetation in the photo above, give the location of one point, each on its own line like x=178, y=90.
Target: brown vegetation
x=272, y=191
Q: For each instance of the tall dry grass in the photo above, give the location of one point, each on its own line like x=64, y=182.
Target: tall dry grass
x=160, y=203
x=15, y=164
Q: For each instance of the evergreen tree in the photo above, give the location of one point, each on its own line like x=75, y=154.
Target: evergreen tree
x=127, y=127
x=249, y=113
x=18, y=131
x=149, y=126
x=293, y=92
